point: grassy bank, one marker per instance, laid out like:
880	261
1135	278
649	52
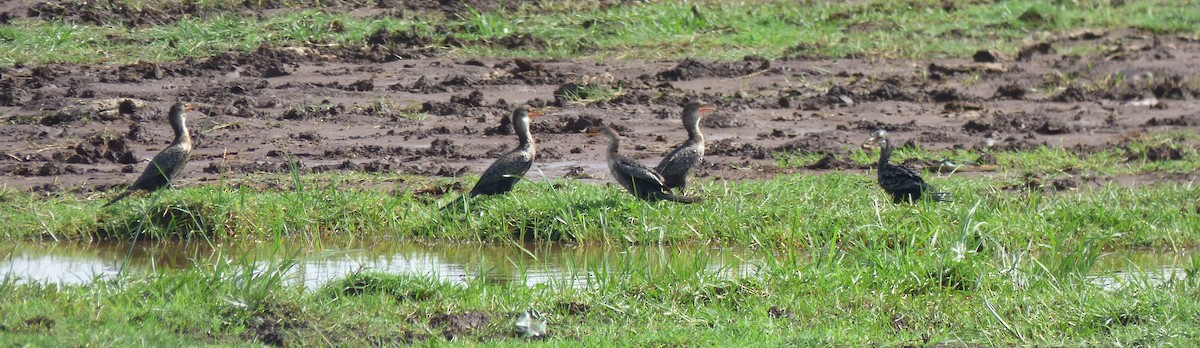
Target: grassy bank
1108	195
655	30
925	292
792	211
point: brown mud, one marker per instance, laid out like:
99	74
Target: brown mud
394	105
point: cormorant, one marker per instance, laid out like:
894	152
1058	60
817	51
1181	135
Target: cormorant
639	180
904	184
509	168
167	164
675	166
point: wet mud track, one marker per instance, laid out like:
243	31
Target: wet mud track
395	106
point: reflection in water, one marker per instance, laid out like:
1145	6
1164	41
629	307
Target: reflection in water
531	265
1116	270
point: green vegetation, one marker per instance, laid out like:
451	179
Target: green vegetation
1140	154
1007	263
1000	266
657	30
590	93
786	212
935	289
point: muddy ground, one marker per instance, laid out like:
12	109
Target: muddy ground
82	128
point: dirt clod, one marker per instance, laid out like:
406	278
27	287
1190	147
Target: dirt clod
777	313
986	56
458	324
690	69
728	147
574	308
724	120
1162	152
1028	52
1011	91
832	162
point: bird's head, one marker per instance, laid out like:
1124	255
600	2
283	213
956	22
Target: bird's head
696	108
601	130
526	111
879	136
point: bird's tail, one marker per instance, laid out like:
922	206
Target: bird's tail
455	203
674	198
942	197
123	194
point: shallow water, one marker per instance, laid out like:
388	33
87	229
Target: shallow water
530	265
526	264
1115	271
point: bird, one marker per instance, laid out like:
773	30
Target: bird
675	166
639	180
500	177
167	164
902	183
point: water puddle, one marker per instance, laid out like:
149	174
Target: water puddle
524	264
1115	271
530	265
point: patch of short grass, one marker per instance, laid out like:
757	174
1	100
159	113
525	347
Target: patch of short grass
652	30
1145	153
590	93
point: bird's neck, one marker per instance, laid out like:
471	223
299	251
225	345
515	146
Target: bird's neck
524	139
180	126
885	153
613	144
181	132
693	131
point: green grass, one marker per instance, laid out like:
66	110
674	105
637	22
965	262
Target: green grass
839	264
591	93
1128	158
656	30
787	211
844	266
841	293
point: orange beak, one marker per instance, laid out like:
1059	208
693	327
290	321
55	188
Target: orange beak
534	113
190	107
706	109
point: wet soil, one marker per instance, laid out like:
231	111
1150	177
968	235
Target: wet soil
394	105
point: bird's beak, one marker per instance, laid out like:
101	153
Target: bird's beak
190	107
591	132
870	144
706	109
535	113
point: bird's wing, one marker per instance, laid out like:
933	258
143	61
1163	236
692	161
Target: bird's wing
681	158
162	168
902	177
513	163
633	168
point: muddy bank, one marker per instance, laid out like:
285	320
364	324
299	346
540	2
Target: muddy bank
88	127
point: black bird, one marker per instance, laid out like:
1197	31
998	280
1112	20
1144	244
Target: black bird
500	177
167	164
904	184
639	180
675	166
